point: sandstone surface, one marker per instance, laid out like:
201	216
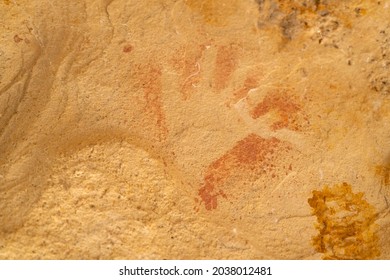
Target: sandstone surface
194	129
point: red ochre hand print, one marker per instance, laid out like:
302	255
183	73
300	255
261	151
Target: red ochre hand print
256	155
251	154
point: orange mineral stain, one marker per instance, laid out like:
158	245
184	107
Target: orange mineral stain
345	223
251	154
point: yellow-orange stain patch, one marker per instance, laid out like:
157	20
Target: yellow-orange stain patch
150	80
252	154
286	106
214	12
188	61
7	2
225	64
346	224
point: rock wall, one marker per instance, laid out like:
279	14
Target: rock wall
194	129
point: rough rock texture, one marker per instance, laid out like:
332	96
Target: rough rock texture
194	129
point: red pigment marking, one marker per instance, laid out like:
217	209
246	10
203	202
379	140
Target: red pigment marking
127	48
252	152
151	82
225	64
286	106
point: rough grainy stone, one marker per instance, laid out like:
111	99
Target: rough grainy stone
194	129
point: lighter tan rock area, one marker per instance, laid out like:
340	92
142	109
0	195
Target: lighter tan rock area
194	129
